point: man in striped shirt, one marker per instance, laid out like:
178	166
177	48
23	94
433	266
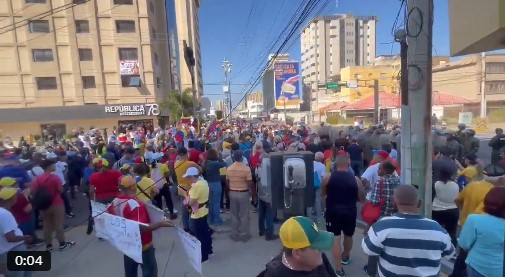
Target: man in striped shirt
406	243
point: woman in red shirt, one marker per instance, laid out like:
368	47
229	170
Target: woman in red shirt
104	183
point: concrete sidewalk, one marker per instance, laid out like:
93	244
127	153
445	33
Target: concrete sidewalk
93	258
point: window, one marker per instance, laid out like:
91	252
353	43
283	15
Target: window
495	67
158	82
383	75
42	55
123	2
35	1
495	87
130	81
85	54
357	76
38	26
125	26
156	59
46	83
128	54
81	26
333	27
153	33
333	36
88	82
77	2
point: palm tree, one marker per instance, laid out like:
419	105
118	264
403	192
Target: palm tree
178	104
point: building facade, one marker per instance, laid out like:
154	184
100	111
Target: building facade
363	77
99	63
188	29
465	79
173	41
330	43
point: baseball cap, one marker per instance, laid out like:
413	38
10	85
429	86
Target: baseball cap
138	160
100	162
125	167
7	182
192	171
7	193
128	181
300	232
382	153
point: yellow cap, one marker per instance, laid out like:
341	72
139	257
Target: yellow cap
7	182
125	167
300	232
128	181
100	162
7	193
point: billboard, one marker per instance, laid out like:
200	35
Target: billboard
287	85
129	67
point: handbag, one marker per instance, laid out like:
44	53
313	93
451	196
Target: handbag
371	213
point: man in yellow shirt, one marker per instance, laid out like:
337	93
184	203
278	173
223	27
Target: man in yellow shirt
146	188
183	185
198	199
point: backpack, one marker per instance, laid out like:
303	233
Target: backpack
42	199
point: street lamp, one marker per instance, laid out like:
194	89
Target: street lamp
227	71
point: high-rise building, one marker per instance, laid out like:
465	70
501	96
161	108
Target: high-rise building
93	63
188	29
173	41
330	43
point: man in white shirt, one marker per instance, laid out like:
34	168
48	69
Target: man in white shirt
61	169
11	237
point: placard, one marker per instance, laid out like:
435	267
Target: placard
123	234
193	249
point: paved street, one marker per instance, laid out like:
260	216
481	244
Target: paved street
92	258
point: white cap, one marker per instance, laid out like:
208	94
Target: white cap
51	155
192	171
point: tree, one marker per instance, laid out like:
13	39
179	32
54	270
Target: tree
178	104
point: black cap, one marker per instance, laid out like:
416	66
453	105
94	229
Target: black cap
182	151
494	170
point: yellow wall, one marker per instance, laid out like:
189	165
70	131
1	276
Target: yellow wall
365	76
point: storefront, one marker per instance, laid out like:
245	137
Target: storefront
58	121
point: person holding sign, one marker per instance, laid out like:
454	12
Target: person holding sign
127	205
198	202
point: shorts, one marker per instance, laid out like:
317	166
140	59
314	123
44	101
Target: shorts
338	223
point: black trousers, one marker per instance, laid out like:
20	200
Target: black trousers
460	264
449	220
164	193
225	195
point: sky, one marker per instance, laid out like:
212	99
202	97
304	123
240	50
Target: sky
242	30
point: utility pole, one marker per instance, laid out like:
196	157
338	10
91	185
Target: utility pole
401	36
417	159
376	101
317	83
483	100
227	90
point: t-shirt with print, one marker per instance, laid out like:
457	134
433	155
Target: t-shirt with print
144	186
8	224
200	192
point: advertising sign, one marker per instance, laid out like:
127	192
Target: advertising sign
129	67
134	110
287	85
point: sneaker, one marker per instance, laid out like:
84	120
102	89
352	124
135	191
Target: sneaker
262	233
49	248
89	230
71	214
365	269
340	273
66	245
345	260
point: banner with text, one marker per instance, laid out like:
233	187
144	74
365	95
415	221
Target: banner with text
192	247
129	67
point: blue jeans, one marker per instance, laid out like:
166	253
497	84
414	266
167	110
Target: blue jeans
200	229
184	215
356	167
265	218
470	272
214	203
149	265
28	228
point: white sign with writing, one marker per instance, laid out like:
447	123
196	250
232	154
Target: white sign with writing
123	234
134	110
97	208
129	67
466	118
192	247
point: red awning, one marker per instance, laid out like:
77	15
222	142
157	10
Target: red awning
386	101
333	107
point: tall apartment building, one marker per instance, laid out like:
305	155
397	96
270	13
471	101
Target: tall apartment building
330	43
188	29
70	64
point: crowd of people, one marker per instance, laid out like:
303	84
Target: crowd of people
216	174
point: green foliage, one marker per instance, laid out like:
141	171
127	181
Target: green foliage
497	116
37	137
178	104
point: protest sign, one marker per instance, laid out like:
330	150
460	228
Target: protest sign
156	215
192	247
97	208
123	234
